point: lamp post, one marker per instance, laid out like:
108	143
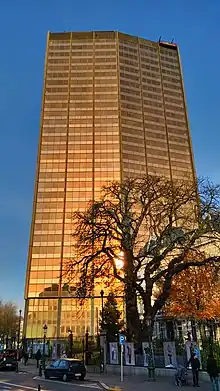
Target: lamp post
71	342
151	366
44	345
102	298
18	340
102	336
87	346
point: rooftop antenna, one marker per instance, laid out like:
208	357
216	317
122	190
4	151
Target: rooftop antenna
160	38
172	40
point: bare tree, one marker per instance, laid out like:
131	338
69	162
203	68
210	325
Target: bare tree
154	225
8	320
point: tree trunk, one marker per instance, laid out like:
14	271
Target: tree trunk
194	333
132	315
148	321
211	334
202	332
147	328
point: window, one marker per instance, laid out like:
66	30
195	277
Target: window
56	364
63	364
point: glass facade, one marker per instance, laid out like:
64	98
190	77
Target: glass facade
113	106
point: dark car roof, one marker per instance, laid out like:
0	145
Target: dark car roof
10	350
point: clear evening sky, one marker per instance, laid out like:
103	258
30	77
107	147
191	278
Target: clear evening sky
194	25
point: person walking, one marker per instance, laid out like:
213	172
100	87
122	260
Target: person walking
195	364
213	371
25	358
38	357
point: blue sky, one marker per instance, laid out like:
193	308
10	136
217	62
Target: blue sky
194	25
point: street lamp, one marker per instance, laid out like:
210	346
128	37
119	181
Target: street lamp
102	336
44	345
102	298
151	366
18	341
71	342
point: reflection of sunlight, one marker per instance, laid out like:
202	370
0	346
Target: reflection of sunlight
119	261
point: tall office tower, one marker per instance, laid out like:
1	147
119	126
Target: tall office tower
113	106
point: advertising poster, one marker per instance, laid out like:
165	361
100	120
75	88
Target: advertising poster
148	354
169	349
54	352
129	353
113	351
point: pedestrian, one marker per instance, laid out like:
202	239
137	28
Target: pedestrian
64	355
38	357
25	358
213	371
195	364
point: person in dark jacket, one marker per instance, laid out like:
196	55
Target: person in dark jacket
195	364
38	357
25	355
213	372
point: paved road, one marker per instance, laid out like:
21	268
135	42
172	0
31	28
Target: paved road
10	381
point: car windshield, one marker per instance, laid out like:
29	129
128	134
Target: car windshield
55	364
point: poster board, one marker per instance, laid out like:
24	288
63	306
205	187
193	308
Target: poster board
169	350
113	352
148	354
129	353
54	352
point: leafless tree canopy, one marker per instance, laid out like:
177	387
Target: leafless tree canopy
153	225
8	319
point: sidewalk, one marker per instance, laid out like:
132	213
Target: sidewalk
30	368
140	383
130	383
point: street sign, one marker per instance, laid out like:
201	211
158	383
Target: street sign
122	342
121	339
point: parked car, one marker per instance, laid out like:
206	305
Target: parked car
8	363
8	353
66	369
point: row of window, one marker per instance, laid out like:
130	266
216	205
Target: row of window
128	128
168	52
84	112
112	156
79	74
86	163
85	60
110	86
123	49
172	60
58	45
79	68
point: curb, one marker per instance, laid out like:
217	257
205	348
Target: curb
104	385
116	388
